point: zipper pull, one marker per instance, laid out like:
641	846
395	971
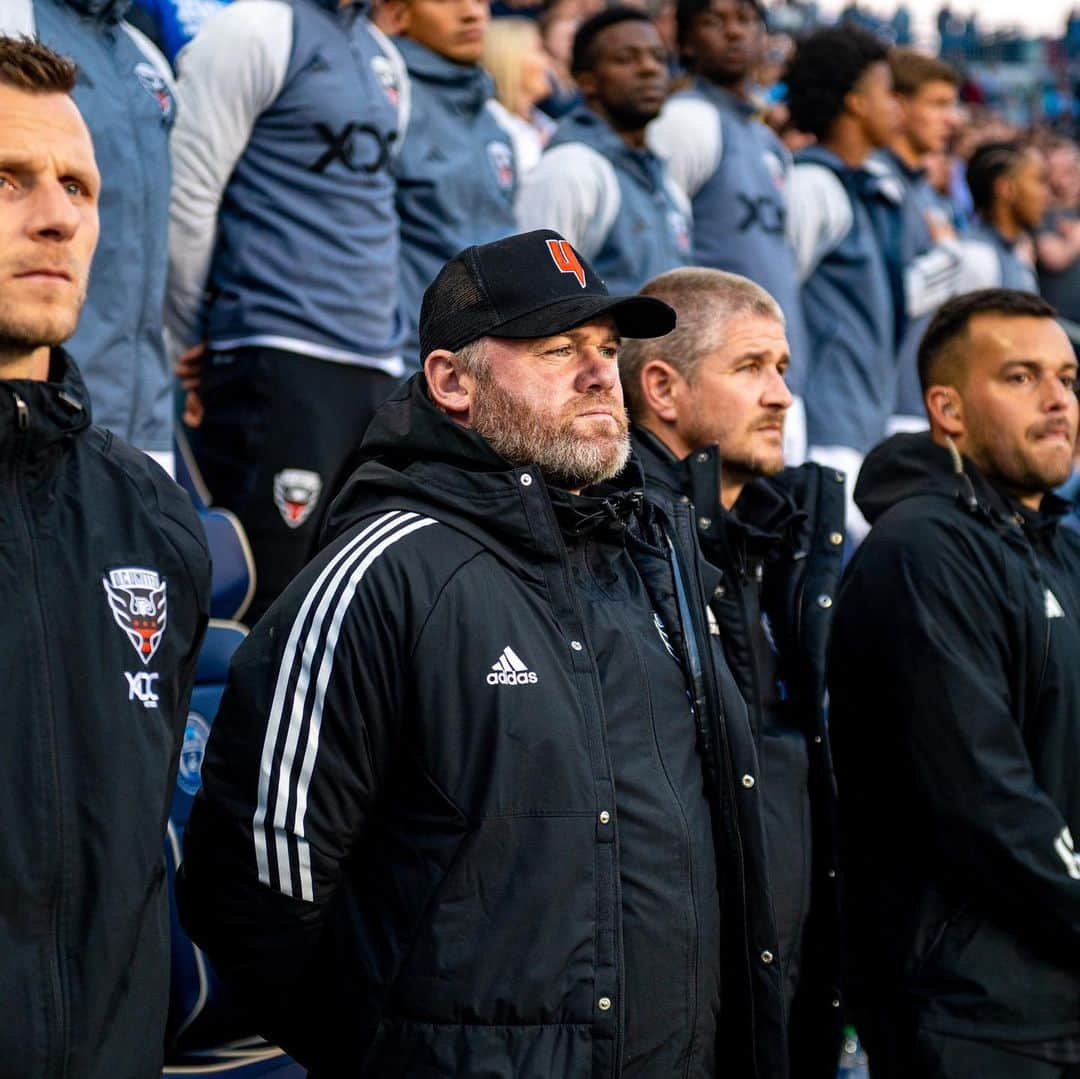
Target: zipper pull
22	413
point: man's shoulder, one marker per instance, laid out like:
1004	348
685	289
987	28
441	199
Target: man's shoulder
112	461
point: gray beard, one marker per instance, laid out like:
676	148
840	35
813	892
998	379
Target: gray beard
524	436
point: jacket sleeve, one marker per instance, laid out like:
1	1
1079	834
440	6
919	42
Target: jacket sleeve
938	638
230	73
688	136
573	190
297	755
819	215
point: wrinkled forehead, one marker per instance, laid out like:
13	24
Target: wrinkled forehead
40	127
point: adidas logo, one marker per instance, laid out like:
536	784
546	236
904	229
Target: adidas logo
1053	607
510	671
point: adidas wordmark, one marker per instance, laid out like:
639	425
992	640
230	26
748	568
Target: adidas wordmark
510	671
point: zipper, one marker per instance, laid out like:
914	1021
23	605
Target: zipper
548	512
56	1050
722	751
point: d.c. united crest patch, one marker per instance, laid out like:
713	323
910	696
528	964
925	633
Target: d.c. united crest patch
296	494
137	600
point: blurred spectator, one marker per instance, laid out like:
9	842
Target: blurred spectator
842	215
597	183
456	174
1008	188
734	168
284	252
1057	243
171	24
515	58
558	25
928	255
125	94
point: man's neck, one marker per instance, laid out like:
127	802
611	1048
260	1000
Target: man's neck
904	149
634	138
848	142
19	363
1004	220
739	88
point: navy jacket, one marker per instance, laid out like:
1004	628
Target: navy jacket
956	728
406	851
106	584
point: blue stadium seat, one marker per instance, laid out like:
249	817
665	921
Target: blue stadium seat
234	568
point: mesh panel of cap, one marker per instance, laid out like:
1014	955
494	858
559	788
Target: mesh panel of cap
455	310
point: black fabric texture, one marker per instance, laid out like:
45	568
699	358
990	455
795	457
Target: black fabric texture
90	728
461	911
268	411
956	727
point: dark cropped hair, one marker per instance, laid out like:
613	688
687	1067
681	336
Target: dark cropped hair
583	56
991	161
826	66
688	10
941	360
26	64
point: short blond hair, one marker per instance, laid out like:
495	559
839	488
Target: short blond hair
705	301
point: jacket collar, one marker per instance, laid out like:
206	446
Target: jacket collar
39	414
105	10
584	125
725	99
465	87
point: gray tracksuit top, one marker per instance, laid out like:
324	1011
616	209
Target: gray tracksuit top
291	111
734	170
455	174
614	203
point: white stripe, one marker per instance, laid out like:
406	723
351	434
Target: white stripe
514	659
321	684
287	660
297	711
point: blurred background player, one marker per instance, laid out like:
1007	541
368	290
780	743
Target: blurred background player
598	183
283	259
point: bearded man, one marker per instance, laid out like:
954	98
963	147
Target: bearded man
467	808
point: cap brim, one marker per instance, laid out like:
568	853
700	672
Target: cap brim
635	316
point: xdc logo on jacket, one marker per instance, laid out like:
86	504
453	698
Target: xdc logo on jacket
761	211
359	147
137	598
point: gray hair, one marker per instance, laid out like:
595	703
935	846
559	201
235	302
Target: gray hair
705	301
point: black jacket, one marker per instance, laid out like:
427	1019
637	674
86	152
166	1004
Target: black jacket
431	884
106	580
780	555
956	725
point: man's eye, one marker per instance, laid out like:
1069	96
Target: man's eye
74	188
1020	378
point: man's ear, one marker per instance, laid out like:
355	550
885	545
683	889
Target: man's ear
450	387
586	81
393	17
946	410
660	389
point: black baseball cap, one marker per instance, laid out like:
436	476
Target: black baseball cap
530	285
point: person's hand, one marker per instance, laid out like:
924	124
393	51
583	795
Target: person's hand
188	369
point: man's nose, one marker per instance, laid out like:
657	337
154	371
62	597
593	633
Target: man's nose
777	394
52	214
599	371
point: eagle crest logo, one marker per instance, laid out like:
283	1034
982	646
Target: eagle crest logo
137	599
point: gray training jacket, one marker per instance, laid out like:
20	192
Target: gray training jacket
283	232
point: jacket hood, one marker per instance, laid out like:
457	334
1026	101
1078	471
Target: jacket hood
55	409
908	465
465	87
106	10
414	451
